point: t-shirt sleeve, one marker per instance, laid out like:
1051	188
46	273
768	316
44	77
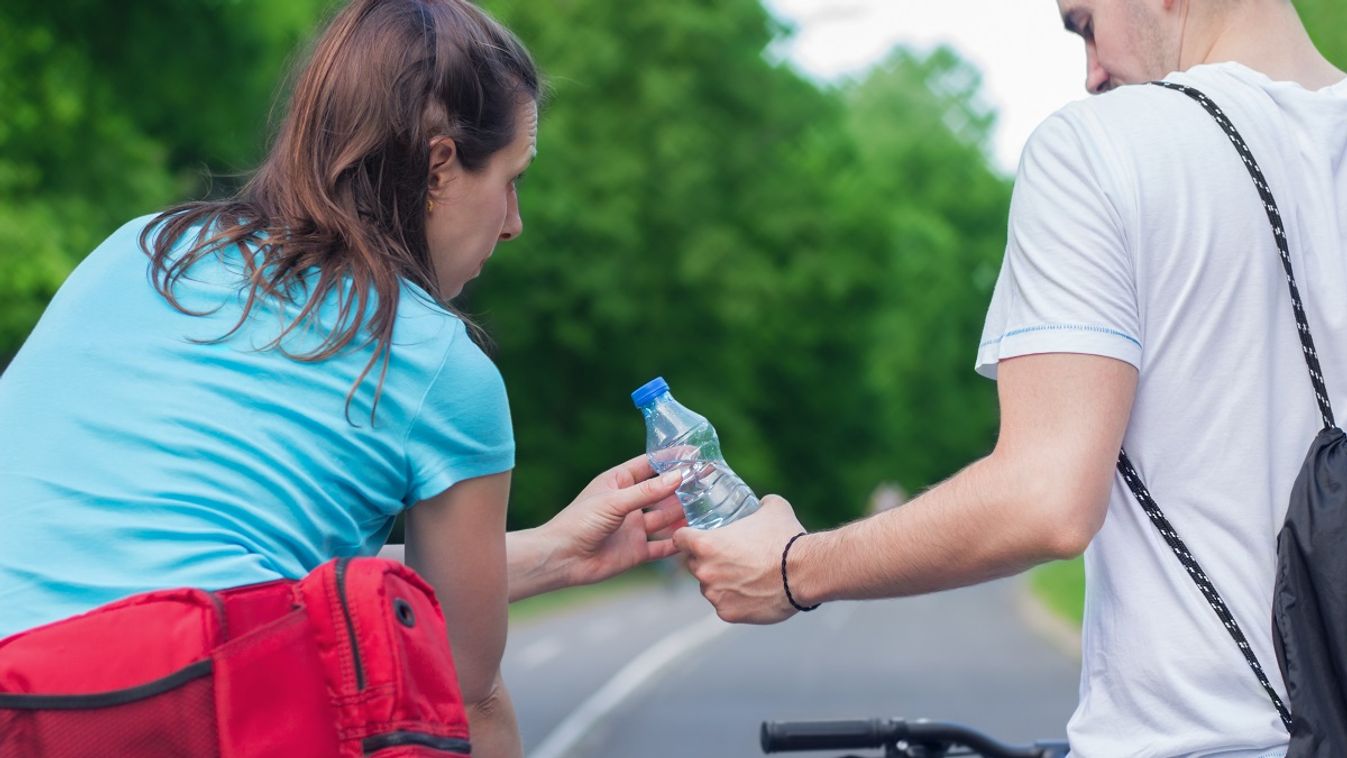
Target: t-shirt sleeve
462	430
1067	284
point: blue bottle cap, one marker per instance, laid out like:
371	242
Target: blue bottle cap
649	391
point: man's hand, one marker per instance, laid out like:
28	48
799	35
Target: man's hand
1042	494
739	566
605	531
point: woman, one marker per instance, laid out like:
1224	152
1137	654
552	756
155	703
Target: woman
285	374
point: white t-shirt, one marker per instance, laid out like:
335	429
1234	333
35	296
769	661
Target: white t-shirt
1136	233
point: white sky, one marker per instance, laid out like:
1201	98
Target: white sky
1030	65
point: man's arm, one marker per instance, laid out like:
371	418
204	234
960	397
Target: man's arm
1042	494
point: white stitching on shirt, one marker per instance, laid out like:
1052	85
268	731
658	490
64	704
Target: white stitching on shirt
1064	328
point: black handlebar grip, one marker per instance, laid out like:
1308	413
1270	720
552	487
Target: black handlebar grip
783	736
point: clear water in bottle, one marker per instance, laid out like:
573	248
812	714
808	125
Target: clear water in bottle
677	438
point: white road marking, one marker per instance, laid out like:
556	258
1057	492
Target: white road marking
632	677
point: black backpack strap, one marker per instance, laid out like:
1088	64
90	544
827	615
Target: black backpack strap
1129	472
1274	216
1199	576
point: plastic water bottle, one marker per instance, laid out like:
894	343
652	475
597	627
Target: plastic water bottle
677	438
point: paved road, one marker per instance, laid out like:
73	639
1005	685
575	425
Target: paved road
962	656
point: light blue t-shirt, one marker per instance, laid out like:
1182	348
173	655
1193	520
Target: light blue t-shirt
137	453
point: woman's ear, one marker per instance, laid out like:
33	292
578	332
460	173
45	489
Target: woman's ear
443	166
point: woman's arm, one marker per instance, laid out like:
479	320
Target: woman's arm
622	519
456	541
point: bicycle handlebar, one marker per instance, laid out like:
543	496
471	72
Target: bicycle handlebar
786	736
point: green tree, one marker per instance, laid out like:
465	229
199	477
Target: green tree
937	211
112	111
666	217
1323	19
807	265
702	213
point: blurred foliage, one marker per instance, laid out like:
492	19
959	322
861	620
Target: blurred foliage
1060	585
1324	21
112	111
807	265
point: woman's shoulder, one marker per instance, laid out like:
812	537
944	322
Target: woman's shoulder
445	343
135	226
142	230
126	236
115	265
420	318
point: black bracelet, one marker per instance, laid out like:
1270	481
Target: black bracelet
785	583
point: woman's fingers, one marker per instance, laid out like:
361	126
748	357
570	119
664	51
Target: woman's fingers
664	518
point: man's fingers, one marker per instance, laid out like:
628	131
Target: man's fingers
774	508
688	540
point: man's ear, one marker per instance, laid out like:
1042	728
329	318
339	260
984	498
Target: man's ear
444	166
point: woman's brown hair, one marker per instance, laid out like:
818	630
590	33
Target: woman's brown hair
342	190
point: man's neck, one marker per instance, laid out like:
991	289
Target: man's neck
1267	37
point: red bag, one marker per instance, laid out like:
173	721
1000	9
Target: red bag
352	660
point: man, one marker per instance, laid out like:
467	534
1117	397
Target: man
1141	304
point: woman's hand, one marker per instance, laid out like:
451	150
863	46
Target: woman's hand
607	529
624	518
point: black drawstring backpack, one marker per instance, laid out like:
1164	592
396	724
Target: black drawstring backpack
1309	603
